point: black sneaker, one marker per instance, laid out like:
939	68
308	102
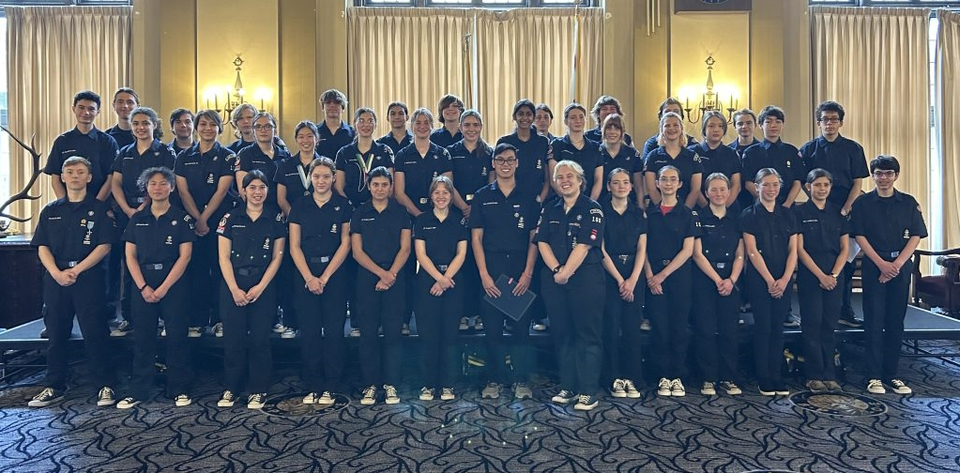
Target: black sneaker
564	397
586	403
792	321
850	320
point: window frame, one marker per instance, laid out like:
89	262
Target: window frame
476	4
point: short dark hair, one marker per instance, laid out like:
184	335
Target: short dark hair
77	160
148	173
545	108
885	162
446	101
605	100
771	111
212	116
176	114
127	90
817	174
362	110
503	148
308	125
744	111
153	116
706	117
334	95
829	106
524	103
402	105
255	175
87	95
669	101
571	107
380	171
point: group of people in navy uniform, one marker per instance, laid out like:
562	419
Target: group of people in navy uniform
674	238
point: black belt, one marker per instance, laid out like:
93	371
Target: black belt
892	254
319	259
154	266
250	271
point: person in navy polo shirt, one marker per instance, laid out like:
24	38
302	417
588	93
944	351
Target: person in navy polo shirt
669	105
745	122
204	181
241	119
542	121
617	154
715	157
319	246
844	159
449	110
293	181
773	153
888	225
605	106
264	155
576	147
334	132
158	247
417	165
73	236
673	151
398	137
356	160
181	124
533	152
125	100
84	140
380	239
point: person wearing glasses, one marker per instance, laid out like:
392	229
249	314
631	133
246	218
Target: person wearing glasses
264	155
888	225
502	228
844	159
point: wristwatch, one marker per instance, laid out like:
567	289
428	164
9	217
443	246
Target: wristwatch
556	269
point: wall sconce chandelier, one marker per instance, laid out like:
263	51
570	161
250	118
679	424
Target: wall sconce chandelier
234	96
711	100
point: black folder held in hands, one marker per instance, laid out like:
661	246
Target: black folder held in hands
512	306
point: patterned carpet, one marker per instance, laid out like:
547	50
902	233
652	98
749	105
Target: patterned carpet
889	433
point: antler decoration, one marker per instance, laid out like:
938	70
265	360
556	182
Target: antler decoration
24	193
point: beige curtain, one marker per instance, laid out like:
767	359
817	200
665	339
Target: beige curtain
949	61
528	53
54	52
417	55
413	55
875	62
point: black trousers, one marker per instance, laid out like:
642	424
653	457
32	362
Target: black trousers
173	309
122	279
287	278
576	317
716	329
437	321
621	328
768	316
246	336
884	307
85	298
820	310
517	345
204	276
376	309
322	356
670	316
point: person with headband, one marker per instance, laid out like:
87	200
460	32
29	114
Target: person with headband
822	249
770	240
158	246
624	254
570	236
718	254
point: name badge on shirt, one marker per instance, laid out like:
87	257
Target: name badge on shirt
424	200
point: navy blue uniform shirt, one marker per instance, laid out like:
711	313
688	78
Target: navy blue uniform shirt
721	159
506	220
627	159
588	157
321	227
596	135
687	162
887	222
329	143
356	165
622	230
203	172
666	233
719	238
736	146
122	137
442	138
842	157
252	241
158	239
822	231
532	157
252	157
72	230
772	231
440	238
289	175
471	169
418	172
784	157
380	230
392	143
97	147
564	230
130	163
651	144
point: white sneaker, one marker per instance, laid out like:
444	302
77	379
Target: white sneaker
405	330
310	398
194	332
586	403
522	391
278	328
491	391
539	327
227	399
288	333
677	389
645	325
123	328
619	389
105	397
354	332
256	400
182	400
45	398
464	324
478	323
218	330
447	394
631	389
663	387
325	399
369	397
390	396
127	403
899	386
708	389
426	394
875	386
731	388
